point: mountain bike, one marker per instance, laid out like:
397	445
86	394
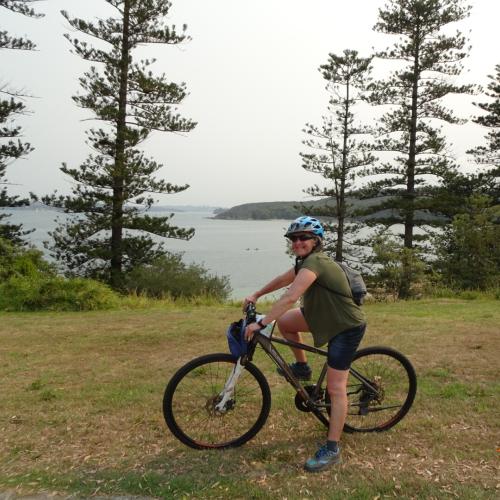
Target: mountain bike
220	401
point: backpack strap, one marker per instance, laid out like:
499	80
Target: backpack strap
298	262
335	291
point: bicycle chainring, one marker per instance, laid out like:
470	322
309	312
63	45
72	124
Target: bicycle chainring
301	404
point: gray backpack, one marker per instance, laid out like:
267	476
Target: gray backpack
356	282
354	278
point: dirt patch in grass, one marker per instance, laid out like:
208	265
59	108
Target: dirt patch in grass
81	409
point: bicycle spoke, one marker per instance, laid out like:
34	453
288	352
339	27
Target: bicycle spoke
382	408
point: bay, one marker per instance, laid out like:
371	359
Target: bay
249	252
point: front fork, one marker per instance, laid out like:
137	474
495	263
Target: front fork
228	392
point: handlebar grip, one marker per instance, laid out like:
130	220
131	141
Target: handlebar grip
251	313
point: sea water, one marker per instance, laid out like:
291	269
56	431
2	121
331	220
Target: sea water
250	253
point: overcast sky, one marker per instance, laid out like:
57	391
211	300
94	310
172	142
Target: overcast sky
251	70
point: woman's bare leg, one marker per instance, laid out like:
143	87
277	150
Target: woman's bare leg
290	325
337	390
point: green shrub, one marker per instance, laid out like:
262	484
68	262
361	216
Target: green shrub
468	250
29	283
54	293
469	295
19	261
169	276
399	271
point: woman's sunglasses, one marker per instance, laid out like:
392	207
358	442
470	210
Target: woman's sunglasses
300	237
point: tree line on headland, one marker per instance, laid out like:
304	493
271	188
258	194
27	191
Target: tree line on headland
268	210
427	220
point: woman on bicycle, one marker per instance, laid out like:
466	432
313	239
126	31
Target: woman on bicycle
328	312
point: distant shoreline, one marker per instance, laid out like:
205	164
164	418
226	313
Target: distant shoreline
156	208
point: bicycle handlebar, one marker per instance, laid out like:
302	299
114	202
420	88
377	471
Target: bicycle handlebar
251	313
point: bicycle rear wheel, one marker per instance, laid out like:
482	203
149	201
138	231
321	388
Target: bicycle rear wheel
191	396
382	393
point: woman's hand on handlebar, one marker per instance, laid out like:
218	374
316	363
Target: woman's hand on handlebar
251	299
250	330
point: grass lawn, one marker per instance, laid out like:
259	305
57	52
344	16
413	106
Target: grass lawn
81	397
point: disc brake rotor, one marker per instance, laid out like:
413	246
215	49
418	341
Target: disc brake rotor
369	398
210	406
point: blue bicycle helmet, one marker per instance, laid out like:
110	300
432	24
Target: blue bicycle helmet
306	224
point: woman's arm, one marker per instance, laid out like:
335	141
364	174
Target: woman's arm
304	279
279	282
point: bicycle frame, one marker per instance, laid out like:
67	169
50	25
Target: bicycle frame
310	399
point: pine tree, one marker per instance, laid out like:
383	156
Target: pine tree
337	149
409	134
489	155
11	106
114	187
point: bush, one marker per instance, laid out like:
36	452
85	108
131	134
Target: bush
29	283
169	276
468	251
469	295
53	293
18	261
399	271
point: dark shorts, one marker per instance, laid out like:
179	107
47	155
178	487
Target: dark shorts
342	347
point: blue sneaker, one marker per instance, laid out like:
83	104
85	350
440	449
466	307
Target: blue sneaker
323	459
301	372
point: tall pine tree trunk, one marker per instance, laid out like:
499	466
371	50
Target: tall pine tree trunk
404	290
119	170
410	181
341	206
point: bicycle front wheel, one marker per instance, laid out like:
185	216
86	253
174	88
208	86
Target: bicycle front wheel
381	388
191	397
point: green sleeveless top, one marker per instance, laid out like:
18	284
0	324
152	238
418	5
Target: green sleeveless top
327	313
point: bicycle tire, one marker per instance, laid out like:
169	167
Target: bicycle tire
396	382
191	394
